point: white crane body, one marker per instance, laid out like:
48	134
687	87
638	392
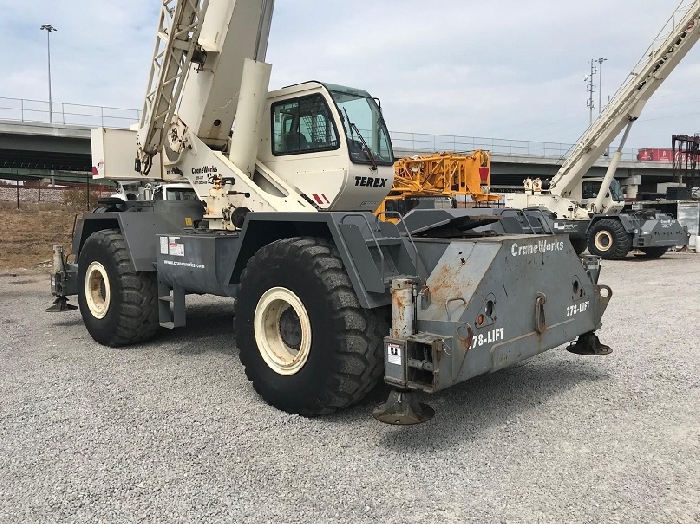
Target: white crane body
319	174
235	31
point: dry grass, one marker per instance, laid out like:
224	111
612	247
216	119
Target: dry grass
28	234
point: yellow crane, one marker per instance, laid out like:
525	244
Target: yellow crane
446	175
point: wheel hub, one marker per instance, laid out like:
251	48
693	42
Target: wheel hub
282	330
97	290
603	240
290	328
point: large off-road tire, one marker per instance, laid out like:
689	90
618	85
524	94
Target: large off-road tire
651	252
119	305
608	239
307	345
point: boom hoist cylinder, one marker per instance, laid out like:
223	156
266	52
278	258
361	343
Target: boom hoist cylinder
249	115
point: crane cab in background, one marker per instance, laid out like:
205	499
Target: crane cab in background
613	200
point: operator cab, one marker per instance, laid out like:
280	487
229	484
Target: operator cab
613	201
330	142
590	188
367	136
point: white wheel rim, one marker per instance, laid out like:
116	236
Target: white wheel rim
275	327
603	240
97	290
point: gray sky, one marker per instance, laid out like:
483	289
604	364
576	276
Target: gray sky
502	69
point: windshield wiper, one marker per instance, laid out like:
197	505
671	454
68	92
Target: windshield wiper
367	150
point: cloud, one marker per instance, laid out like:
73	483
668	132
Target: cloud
502	69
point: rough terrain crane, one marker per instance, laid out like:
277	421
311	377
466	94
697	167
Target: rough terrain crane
600	227
327	297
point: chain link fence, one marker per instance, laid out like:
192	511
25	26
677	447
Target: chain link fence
81	195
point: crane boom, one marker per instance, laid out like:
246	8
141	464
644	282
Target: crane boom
179	26
678	36
232	32
188	80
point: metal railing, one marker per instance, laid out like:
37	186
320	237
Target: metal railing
420	142
25	110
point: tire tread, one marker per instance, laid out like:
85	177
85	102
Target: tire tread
137	312
622	241
359	332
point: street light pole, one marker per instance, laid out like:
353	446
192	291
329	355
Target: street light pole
590	87
600	84
49	29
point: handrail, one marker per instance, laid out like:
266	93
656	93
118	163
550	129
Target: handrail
371	231
398	215
28	110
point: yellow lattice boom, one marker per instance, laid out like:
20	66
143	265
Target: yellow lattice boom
443	174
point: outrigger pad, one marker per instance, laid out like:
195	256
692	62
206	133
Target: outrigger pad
61	304
402	409
589	344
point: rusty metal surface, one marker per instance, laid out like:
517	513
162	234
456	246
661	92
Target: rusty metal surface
498	301
401	308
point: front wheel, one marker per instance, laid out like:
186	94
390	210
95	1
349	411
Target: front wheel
306	344
608	239
119	305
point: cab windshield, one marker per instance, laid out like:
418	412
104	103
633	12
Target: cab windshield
616	191
368	138
589	190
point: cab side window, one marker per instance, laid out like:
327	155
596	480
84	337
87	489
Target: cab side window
590	189
303	125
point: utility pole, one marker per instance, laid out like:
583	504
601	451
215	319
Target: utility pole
49	29
600	84
590	87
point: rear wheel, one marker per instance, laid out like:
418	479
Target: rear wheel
306	343
608	239
119	305
651	252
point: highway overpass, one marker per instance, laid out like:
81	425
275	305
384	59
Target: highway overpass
39	147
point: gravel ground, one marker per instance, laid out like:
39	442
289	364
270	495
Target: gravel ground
171	431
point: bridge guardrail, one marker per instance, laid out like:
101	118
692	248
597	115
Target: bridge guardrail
26	110
460	144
